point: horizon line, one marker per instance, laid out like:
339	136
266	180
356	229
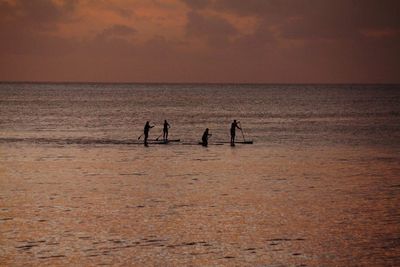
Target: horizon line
195	83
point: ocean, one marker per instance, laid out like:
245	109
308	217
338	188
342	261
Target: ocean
319	186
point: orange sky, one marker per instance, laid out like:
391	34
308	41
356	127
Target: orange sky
263	41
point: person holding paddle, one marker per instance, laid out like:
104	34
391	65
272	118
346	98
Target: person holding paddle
204	139
234	125
147	128
165	130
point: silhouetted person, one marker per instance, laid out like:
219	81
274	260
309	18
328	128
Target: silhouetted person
147	128
165	130
204	139
234	125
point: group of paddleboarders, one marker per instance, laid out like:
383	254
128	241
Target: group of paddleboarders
204	138
147	128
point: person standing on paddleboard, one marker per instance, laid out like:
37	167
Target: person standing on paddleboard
165	130
234	125
147	128
204	139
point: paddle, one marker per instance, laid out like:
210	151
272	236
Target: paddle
244	140
158	137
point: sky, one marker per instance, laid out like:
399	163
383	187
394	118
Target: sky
228	41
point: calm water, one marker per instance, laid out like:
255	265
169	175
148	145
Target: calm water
319	186
294	115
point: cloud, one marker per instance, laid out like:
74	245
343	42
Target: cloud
197	4
311	19
215	30
248	7
26	26
200	41
36	14
117	31
341	19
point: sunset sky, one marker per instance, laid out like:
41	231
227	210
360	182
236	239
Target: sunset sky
260	41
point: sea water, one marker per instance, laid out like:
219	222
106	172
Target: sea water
320	184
